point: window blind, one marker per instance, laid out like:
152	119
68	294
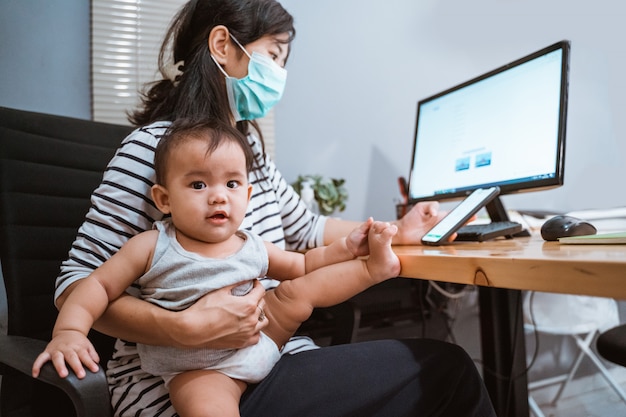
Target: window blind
126	36
125	41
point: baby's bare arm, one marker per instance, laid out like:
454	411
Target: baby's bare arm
69	344
87	302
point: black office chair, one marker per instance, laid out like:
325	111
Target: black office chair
49	165
611	345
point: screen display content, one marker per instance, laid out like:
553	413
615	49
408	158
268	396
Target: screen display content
505	128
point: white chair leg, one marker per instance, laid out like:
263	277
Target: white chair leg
532	404
602	368
568	378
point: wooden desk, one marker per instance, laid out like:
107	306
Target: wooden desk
526	263
502	268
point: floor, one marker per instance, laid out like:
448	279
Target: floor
588	395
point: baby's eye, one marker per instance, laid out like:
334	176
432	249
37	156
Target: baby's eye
197	185
232	184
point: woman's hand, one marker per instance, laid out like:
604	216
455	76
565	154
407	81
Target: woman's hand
419	220
221	320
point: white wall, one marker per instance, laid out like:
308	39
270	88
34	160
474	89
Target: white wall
358	68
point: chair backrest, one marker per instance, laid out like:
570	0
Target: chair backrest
49	166
568	314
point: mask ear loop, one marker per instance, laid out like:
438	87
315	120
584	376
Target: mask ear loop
240	45
219	66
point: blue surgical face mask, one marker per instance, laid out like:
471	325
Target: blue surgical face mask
254	95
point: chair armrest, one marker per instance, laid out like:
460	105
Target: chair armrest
89	395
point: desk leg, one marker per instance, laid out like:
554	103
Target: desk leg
504	350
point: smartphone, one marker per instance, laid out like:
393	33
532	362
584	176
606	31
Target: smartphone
459	215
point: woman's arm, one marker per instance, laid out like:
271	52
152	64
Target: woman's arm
341	249
289	265
337	228
218	320
420	219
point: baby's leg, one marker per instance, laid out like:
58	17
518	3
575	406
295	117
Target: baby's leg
205	393
292	302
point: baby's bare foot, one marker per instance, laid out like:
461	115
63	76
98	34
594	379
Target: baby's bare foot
382	263
357	239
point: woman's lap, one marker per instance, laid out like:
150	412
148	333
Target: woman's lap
393	378
417	377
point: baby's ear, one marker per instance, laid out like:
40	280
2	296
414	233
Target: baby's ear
161	198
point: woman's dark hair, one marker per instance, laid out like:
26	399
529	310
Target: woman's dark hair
213	132
200	93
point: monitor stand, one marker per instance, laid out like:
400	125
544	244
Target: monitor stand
498	213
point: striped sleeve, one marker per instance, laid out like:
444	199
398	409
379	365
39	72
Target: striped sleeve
276	211
120	208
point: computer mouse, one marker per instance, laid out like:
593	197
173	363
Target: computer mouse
565	226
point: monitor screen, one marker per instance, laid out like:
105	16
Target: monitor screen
504	128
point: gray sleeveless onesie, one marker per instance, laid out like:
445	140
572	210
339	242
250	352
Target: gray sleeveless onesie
177	278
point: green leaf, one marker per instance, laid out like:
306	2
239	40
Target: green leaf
330	193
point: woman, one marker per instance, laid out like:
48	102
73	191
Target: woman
224	59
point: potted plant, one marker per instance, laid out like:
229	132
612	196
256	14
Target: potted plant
330	193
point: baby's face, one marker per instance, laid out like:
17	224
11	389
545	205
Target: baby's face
208	192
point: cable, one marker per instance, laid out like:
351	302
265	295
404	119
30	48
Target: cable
448	320
448	294
511	378
435	293
423	311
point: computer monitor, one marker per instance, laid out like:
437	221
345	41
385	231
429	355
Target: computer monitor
504	128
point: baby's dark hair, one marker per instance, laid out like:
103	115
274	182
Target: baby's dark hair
211	131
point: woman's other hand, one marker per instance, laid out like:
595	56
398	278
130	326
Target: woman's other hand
220	320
